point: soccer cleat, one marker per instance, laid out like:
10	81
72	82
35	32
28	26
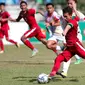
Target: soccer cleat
62	74
78	61
17	45
1	51
34	52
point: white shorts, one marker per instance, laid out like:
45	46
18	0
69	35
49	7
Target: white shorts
57	37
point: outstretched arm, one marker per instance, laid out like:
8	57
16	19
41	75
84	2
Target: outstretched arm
41	12
75	10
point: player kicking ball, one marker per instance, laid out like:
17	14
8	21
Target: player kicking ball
73	4
73	45
4	27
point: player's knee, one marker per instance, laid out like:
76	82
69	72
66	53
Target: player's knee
7	39
23	39
48	46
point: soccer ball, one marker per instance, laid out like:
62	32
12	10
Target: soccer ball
42	78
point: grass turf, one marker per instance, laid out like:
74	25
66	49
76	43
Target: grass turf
17	68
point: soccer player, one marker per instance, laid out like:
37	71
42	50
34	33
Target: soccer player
72	4
29	17
53	26
4	27
73	45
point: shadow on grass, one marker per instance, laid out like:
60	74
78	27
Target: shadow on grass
23	78
55	79
74	80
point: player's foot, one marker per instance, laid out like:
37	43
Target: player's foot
1	51
62	74
34	52
50	77
78	61
17	45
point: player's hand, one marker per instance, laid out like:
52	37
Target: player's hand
74	5
47	24
52	23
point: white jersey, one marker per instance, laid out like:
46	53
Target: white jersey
49	18
81	17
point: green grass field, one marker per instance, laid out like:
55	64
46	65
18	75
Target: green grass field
17	68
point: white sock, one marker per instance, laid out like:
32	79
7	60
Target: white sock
77	57
66	66
58	48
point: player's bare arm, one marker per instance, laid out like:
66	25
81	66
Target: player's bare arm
67	28
75	10
3	20
41	12
7	19
15	20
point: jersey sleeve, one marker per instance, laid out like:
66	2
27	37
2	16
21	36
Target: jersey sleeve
77	18
19	17
55	16
7	15
72	23
32	11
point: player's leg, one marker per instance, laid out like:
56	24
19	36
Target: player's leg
41	37
1	42
28	34
64	71
80	50
65	56
78	59
6	33
1	46
52	43
56	66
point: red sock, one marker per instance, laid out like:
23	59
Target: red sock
56	66
1	45
55	51
12	41
27	43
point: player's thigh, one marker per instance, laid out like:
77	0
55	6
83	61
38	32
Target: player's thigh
67	54
80	50
51	42
30	33
6	33
1	34
40	36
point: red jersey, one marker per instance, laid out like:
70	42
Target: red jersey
4	24
71	36
29	18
